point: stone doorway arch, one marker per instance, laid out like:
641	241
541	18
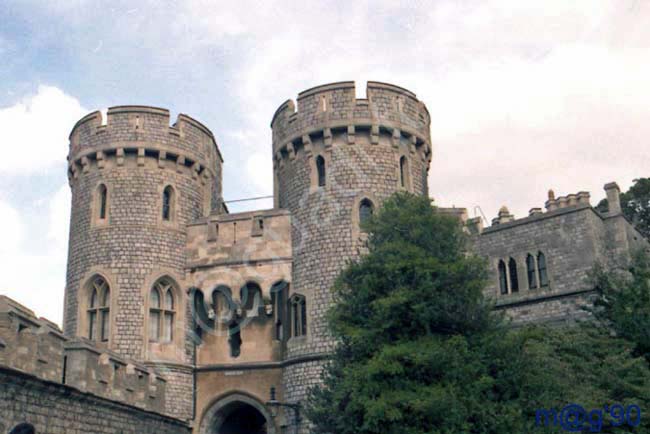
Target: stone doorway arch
237	414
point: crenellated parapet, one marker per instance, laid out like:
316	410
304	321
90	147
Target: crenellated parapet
333	108
106	374
143	133
37	346
241	238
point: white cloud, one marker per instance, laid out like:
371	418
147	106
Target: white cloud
524	96
260	172
35	264
12	230
36	131
59	217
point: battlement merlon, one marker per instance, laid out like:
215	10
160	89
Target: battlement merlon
335	106
141	126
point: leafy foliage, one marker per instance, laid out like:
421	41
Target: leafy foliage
421	351
624	300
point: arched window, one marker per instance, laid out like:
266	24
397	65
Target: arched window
161	311
320	168
514	281
532	273
102	198
298	308
99	309
278	300
168	203
23	428
541	266
503	280
403	170
221	302
366	208
251	298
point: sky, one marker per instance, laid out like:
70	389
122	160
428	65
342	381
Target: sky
524	96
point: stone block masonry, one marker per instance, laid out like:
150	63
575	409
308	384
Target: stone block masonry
54	408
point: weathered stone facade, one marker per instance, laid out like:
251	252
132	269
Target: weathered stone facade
54	408
68	385
220	309
572	236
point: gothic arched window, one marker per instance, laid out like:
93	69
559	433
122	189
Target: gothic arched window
99	310
503	279
514	281
298	308
541	266
161	311
168	203
366	208
532	273
320	169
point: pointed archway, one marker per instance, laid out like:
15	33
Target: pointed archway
237	414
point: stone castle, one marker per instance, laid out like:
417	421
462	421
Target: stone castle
181	317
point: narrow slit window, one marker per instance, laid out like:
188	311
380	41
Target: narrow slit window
402	171
320	168
168	203
102	194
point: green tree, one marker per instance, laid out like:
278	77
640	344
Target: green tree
623	300
421	351
635	204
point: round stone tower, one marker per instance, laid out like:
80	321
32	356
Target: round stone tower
136	183
336	158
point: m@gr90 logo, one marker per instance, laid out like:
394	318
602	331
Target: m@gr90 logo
574	418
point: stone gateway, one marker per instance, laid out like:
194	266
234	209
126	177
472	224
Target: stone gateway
181	317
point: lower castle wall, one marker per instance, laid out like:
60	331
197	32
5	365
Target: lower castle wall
549	311
54	408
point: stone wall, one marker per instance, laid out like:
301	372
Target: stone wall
54	408
37	347
573	237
